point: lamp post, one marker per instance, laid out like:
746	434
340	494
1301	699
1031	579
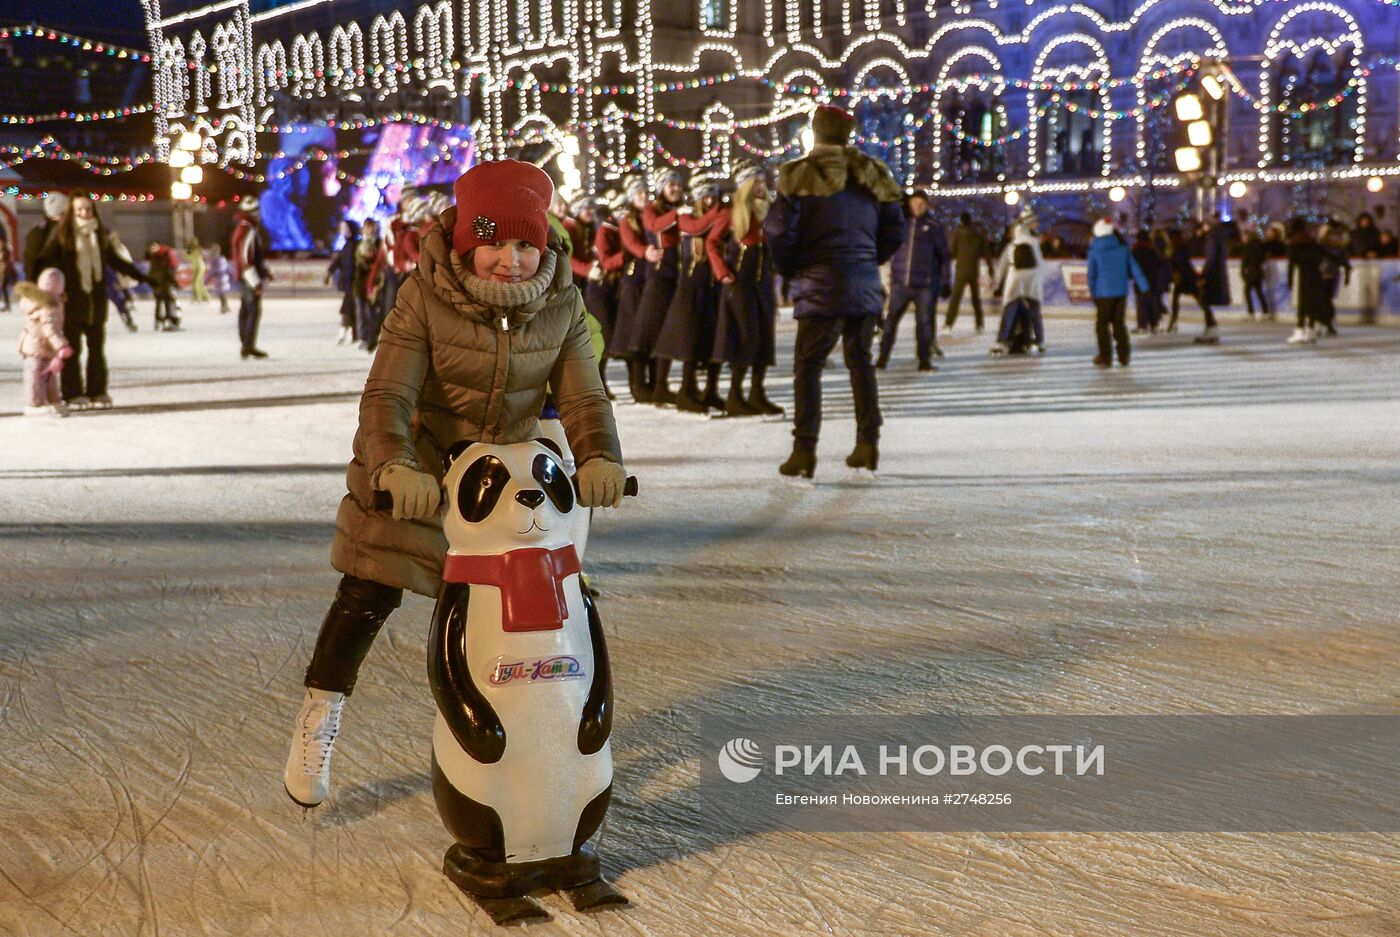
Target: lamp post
1206	117
184	156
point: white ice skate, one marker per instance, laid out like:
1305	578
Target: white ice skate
102	402
1303	336
997	349
80	403
307	776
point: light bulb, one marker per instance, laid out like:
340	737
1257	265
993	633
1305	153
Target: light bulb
180	191
1375	184
1117	193
179	159
1013	197
1188	108
192	175
1198	132
1188	159
1238	189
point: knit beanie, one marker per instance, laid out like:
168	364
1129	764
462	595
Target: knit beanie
662	176
831	124
745	170
1103	228
55	204
501	200
51	282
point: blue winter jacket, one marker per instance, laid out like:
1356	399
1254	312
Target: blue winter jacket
1111	264
836	219
922	260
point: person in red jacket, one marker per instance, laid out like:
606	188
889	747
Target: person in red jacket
604	275
688	334
660	219
247	246
748	312
640	256
582	224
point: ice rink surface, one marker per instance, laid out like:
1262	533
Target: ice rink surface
1211	530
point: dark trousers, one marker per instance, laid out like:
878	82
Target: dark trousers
959	284
1112	313
347	310
1253	288
900	298
352	623
1177	293
816	337
249	315
1149	310
165	308
96	337
1012	314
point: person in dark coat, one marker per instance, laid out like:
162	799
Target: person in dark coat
1253	255
247	252
600	294
1159	279
659	219
748	311
341	274
917	274
640	257
688	334
837	218
161	263
1366	247
55	206
1312	292
81	249
1334	239
969	249
1215	279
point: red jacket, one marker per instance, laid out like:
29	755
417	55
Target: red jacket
632	239
698	225
719	233
581	247
405	246
662	224
607	243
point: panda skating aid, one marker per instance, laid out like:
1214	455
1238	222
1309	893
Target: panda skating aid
517	661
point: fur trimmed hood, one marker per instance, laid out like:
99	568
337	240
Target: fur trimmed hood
827	169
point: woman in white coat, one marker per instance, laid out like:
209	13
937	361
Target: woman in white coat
1019	275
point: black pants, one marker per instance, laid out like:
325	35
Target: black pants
1112	313
900	298
1254	288
165	308
1177	293
347	310
249	315
955	298
1149	310
96	336
352	623
816	337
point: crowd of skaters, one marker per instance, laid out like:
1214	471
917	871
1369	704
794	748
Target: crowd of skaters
675	270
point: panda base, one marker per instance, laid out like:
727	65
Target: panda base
522	765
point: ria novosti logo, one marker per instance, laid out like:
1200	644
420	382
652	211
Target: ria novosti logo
740	760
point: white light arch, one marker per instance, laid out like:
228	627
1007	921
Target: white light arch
1096	69
432	33
308	67
1278	46
388	43
944	74
347	57
717	139
1151	60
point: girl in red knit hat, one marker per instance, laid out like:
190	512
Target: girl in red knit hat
487	320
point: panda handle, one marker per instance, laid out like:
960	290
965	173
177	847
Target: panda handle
383	501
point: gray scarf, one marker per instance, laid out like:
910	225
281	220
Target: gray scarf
89	253
500	295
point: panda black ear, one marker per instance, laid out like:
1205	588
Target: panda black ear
453	451
551	445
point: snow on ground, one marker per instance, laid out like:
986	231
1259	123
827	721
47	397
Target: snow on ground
1210	530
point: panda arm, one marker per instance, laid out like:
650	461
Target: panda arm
595	725
473	721
578	393
395	380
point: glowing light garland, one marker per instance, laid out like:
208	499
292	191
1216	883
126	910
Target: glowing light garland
35	31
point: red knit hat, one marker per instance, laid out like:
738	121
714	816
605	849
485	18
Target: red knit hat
503	200
831	124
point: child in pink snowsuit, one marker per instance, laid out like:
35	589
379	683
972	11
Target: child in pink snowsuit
42	344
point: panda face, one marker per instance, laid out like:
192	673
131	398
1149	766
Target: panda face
505	497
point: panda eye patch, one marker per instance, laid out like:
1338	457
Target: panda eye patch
480	488
550	476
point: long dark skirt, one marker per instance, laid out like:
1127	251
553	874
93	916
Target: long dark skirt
748	310
688	333
600	299
654	304
629	297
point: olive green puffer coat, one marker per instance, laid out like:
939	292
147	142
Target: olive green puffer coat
450	368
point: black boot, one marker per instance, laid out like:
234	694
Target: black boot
641	392
736	405
802	463
711	398
688	399
661	394
927	365
603	376
758	400
866	455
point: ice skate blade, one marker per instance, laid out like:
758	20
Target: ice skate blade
596	896
506	912
863	476
799	481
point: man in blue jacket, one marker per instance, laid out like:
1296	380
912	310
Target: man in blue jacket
837	218
1111	266
917	274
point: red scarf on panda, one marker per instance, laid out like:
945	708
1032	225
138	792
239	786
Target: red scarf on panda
531	581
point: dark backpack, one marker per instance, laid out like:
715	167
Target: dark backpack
1023	257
